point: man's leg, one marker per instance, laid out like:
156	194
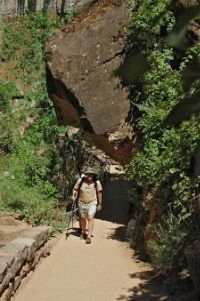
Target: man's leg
83	224
90	220
82	220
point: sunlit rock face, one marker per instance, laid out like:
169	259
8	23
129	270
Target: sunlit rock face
81	61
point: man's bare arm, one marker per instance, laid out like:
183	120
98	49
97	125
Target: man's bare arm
99	206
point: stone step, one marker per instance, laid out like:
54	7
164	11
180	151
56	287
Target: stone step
8	233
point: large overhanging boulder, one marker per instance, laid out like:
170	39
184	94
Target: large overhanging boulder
81	61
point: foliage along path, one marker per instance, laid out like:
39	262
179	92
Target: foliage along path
105	270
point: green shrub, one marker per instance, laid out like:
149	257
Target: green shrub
7	92
167	250
164	156
28	129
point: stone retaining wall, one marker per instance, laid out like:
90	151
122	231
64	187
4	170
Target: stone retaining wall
20	256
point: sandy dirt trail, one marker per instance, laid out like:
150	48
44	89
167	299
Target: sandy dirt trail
77	271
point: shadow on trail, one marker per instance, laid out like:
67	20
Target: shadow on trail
75	231
153	288
118	234
149	290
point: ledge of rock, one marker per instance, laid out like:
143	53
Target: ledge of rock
11	226
81	61
20	252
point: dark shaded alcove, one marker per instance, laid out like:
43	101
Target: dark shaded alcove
115	201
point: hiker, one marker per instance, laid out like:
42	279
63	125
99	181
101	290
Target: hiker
89	192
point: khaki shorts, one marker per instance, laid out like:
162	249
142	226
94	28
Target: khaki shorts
87	209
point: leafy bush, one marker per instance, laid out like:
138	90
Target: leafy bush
7	92
164	158
28	128
168	247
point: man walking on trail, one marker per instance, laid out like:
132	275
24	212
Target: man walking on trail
89	192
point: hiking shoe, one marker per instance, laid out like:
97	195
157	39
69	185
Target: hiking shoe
88	240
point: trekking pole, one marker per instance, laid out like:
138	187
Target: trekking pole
71	217
69	220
